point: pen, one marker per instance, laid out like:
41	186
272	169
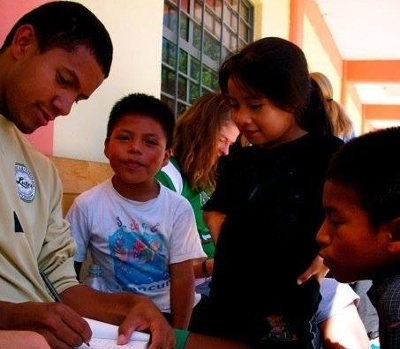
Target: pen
50	287
53	291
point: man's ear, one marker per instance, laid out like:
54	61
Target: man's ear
105	151
23	39
167	155
394	243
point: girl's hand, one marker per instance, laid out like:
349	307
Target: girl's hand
317	269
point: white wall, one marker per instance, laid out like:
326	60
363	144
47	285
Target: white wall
318	60
272	18
135	27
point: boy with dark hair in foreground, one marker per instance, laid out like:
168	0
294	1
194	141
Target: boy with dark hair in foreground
360	236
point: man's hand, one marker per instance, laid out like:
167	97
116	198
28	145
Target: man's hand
61	326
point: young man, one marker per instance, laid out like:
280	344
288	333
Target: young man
54	56
360	236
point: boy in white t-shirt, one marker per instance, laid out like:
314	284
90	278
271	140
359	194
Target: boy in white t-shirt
142	234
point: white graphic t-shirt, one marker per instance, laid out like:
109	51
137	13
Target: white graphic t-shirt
135	242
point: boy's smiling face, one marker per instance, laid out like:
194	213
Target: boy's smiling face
352	249
136	150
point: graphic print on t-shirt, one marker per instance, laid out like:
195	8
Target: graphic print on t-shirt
139	258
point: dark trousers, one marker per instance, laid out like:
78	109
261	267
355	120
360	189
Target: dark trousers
259	332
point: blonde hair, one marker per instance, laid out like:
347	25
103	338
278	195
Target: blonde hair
195	140
341	122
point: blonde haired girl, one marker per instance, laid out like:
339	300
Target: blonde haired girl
341	122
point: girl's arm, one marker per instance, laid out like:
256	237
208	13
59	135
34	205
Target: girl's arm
214	220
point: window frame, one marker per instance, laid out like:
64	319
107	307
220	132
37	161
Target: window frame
197	36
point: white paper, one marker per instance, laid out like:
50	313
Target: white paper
104	336
101	343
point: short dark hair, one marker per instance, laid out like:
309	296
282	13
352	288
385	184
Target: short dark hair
67	24
143	104
367	166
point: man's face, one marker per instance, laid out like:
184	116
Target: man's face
41	86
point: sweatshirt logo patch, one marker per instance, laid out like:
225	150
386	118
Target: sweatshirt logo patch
26	185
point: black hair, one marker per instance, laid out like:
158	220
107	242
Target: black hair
143	104
277	69
367	166
67	24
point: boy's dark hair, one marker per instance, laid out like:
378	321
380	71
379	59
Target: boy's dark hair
67	24
143	104
366	165
277	69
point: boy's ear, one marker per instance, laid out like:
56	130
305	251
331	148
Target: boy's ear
23	39
167	155
394	243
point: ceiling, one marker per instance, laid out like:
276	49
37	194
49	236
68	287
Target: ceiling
369	30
